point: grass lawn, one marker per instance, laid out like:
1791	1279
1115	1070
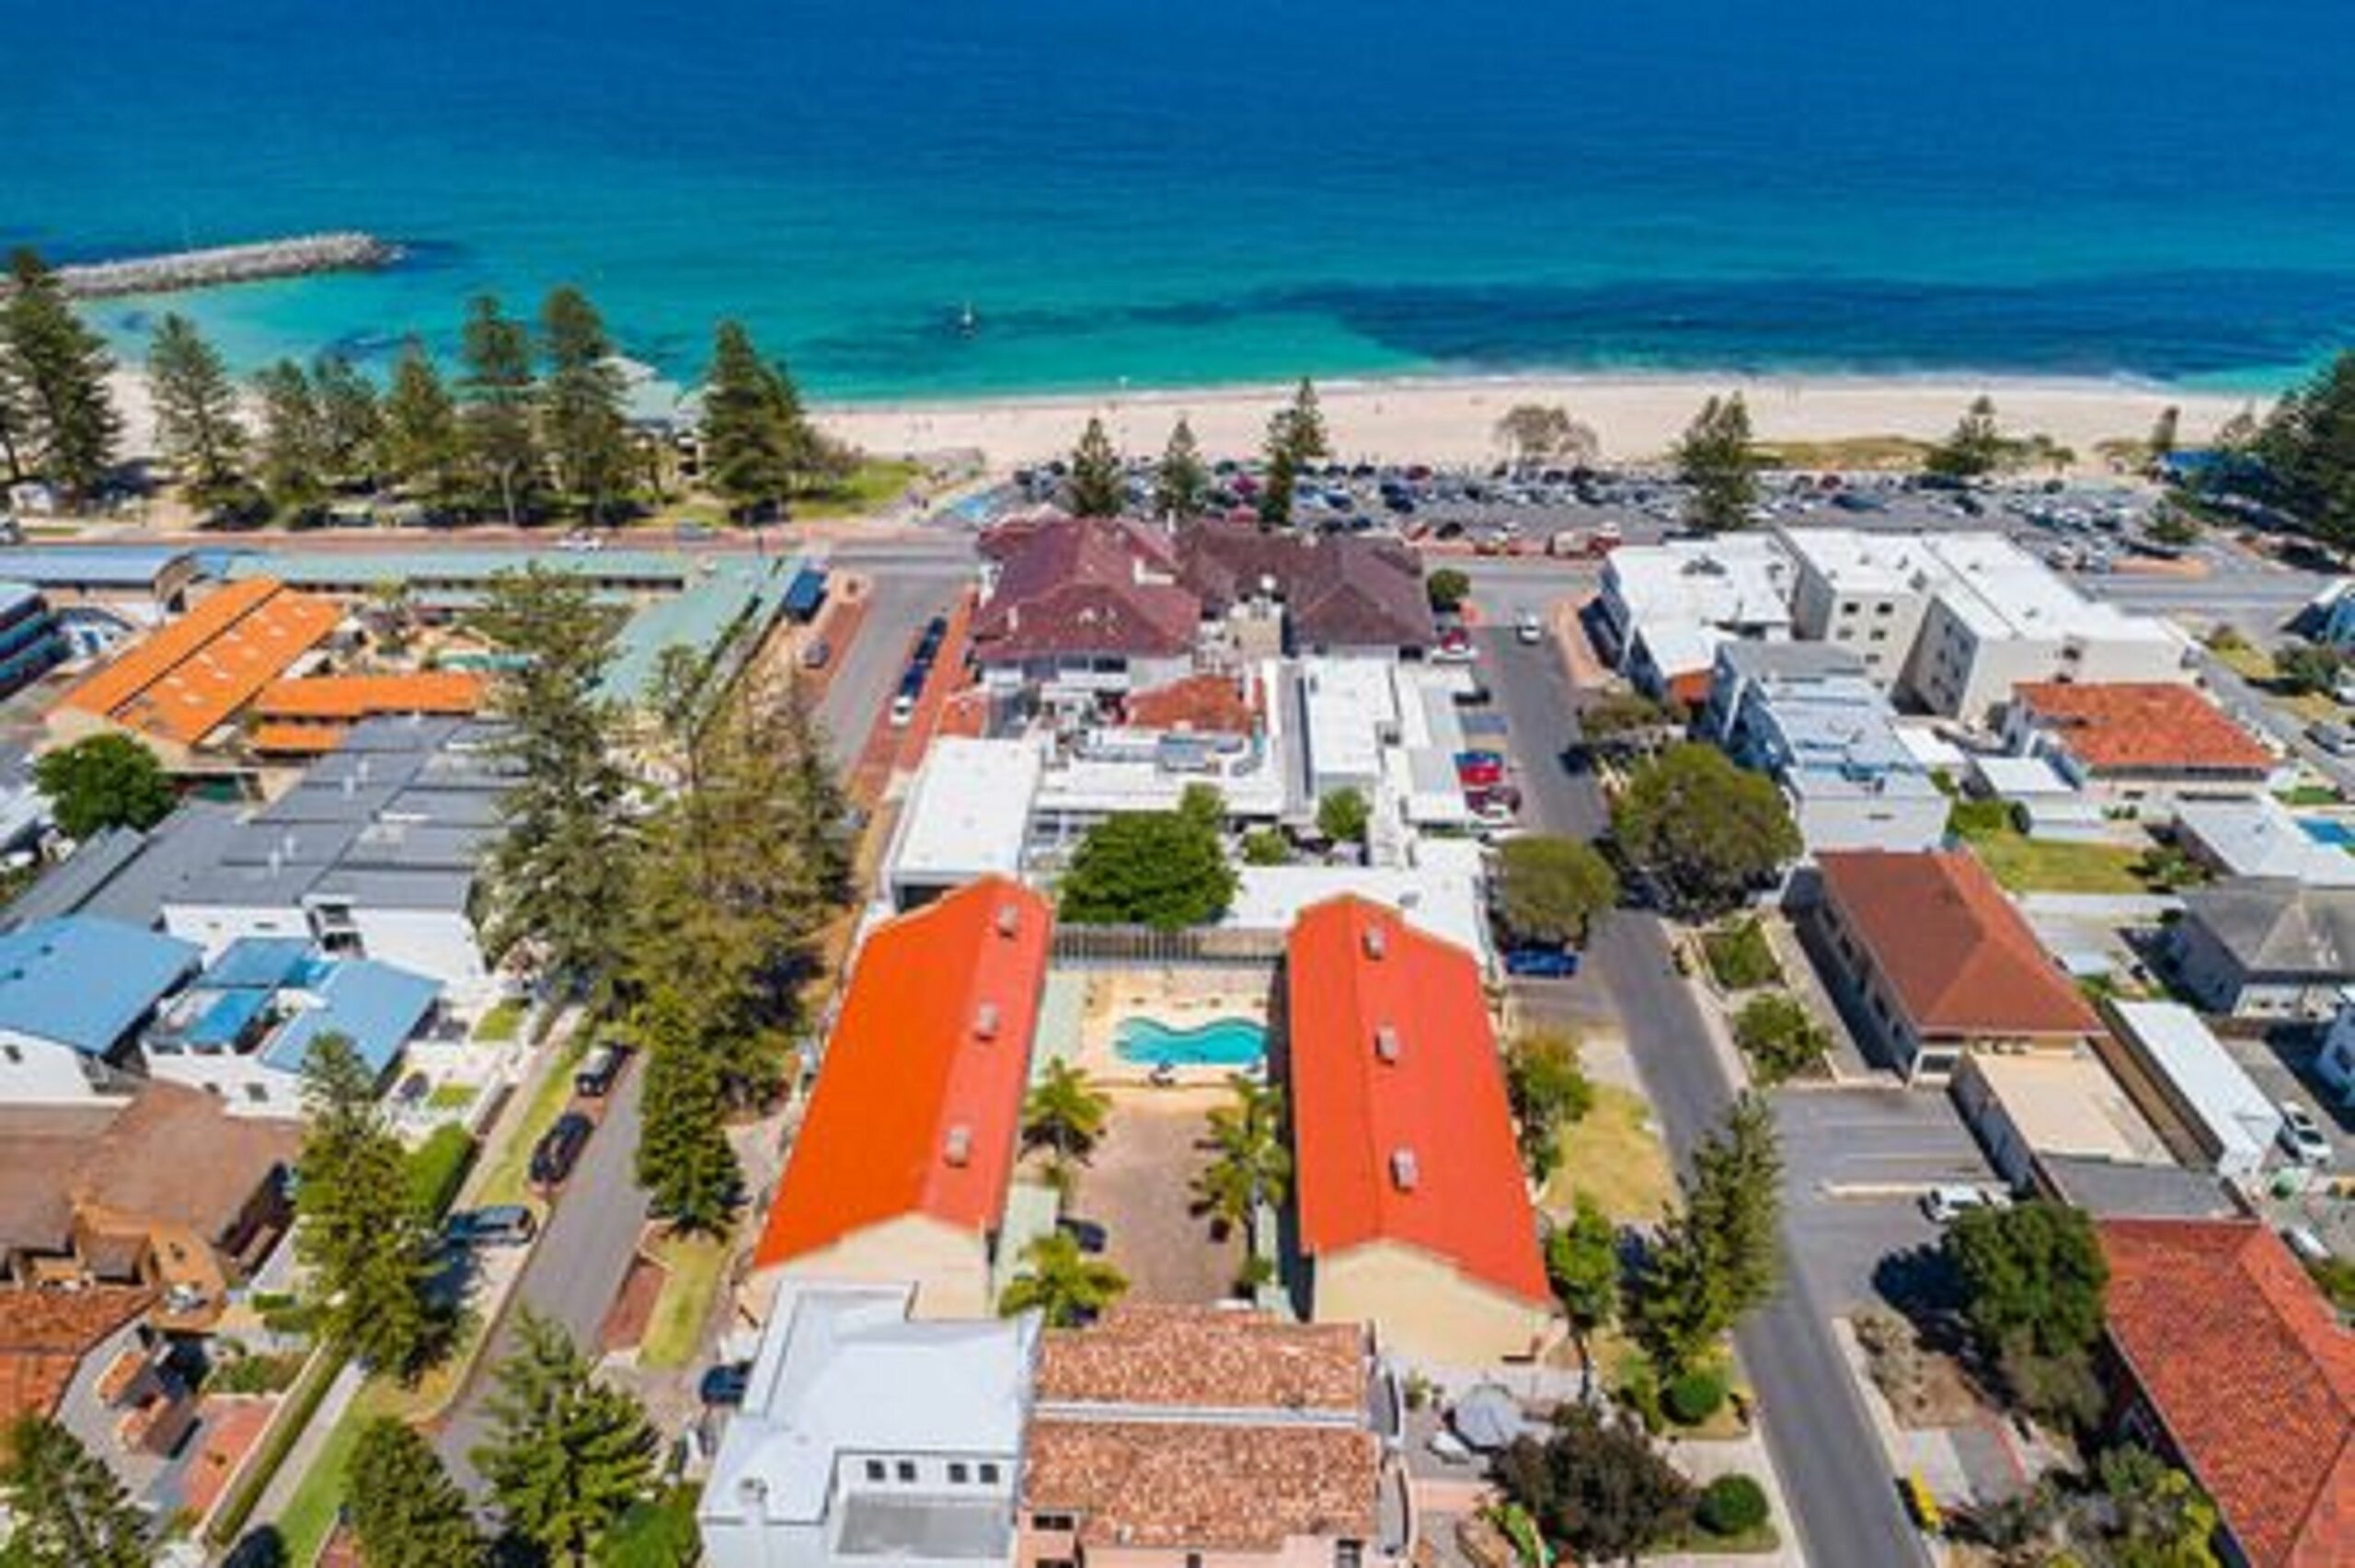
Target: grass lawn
1851	451
2046	865
1616	1157
2245	659
874	484
692	1267
450	1096
510	1173
1756	1543
2309	794
502	1023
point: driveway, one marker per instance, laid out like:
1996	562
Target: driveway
1139	1186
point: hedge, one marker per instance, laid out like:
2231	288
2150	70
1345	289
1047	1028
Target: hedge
438	1167
1692	1397
1730	1505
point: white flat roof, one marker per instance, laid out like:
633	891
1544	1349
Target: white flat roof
1350	703
1991	584
2260	838
2237	1116
1440	895
969	810
2021	778
2070	1106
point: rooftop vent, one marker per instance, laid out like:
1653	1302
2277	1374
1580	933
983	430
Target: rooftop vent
958	1148
1009	919
1385	1042
1404	1172
1376	943
985	1021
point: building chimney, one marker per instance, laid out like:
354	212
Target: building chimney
1404	1172
1376	942
1009	919
1385	1043
985	1021
957	1149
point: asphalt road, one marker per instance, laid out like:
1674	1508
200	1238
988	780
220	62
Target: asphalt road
1816	1426
909	589
575	1269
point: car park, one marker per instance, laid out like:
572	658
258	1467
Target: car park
559	1148
2301	1137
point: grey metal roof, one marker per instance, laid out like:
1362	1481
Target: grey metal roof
129	876
2274	926
1805	660
2111	1190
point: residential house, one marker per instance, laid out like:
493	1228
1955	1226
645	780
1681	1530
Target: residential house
243	1029
75	994
2264	948
31	644
1412	1209
2227	1360
2146	744
179	688
868	1435
1938	964
1958	619
169	1192
1664	610
1163	1437
1805	713
309	716
1083	610
2258	837
1341	594
899	1171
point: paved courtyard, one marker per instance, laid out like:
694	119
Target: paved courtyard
1139	1186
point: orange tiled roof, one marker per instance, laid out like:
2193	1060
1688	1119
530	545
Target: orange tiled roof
2246	1365
1417	1149
2142	727
297	739
1958	954
919	1101
354	697
1214	705
1142	1354
185	679
44	1335
1207	1487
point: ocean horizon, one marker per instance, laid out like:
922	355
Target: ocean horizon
1235	192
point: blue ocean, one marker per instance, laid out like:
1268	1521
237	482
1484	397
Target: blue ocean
1218	190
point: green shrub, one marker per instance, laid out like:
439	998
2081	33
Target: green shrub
1740	957
1731	1505
1692	1397
1779	1035
254	1374
437	1167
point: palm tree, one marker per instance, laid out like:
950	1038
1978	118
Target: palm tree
1062	1282
1252	1162
1065	1113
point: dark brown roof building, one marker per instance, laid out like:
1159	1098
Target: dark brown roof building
1083	588
1339	590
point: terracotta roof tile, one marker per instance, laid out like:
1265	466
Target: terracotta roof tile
1081	587
1208	704
1141	1354
355	697
1949	944
1339	589
909	1074
2252	1374
1204	1488
45	1334
1418	1149
2143	727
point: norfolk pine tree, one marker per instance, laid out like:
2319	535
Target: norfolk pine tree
684	1162
759	446
351	420
1718	462
588	433
420	449
70	1511
1182	481
569	1454
196	408
404	1507
1097	488
292	450
69	426
497	400
369	1253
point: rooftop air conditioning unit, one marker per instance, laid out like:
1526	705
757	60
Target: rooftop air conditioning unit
1404	1172
1385	1042
958	1148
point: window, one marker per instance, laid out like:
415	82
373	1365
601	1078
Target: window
907	1469
1051	1524
958	1472
989	1473
1348	1553
256	1093
875	1470
1193	1560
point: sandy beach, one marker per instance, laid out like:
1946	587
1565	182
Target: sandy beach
1454	420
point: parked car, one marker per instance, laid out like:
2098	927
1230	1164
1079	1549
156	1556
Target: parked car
2309	1247
1536	962
1454	647
1945	1205
1528	630
2301	1137
558	1149
2335	739
723	1386
500	1225
598	1070
1090	1236
816	653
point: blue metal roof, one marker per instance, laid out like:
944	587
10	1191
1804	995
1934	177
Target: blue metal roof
127	566
375	1006
262	963
226	1018
83	982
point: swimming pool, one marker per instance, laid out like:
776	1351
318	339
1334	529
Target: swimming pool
2328	830
1222	1042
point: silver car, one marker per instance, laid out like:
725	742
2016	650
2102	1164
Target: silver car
2301	1137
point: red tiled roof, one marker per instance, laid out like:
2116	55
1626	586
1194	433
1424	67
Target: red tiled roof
185	679
355	697
1210	705
2246	1365
1417	1149
44	1335
1081	587
1339	590
1949	944
2142	727
919	1101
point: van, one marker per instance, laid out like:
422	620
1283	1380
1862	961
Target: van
598	1070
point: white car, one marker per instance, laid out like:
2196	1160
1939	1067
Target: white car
1529	630
1947	1204
2301	1137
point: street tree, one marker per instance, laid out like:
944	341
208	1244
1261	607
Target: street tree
1549	1091
1181	484
1447	588
1296	438
1717	1260
368	1249
569	1453
197	421
562	865
1582	1264
1096	487
69	1511
291	453
1597	1489
498	403
1621	723
1550	889
405	1509
1250	1153
1718	462
759	445
419	449
1779	1035
110	780
582	401
1343	816
65	424
1065	1114
351	420
1156	868
1061	1283
1974	449
683	1159
2033	1280
1708	829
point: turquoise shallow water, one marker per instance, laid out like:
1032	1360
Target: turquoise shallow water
1236	190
